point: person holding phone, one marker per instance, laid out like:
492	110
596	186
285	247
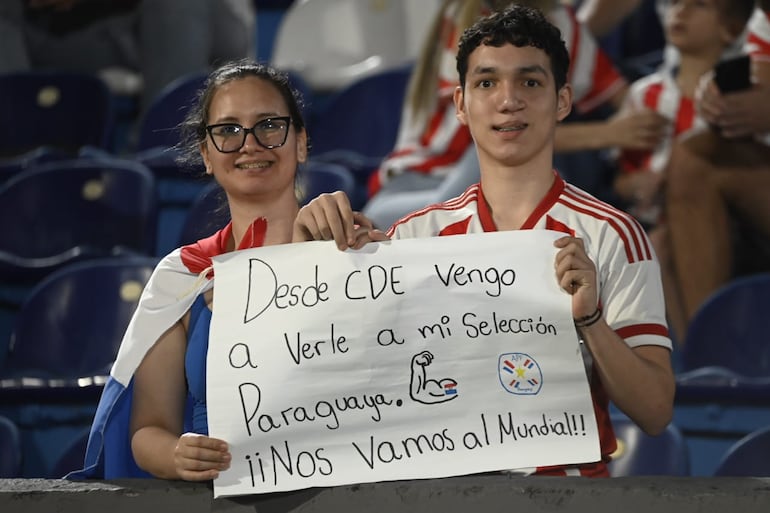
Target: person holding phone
700	31
718	180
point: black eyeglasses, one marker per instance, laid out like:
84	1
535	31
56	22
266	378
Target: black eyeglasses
270	133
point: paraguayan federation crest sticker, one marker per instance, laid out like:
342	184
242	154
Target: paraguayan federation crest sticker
519	374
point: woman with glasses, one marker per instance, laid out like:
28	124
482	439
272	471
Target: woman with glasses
247	129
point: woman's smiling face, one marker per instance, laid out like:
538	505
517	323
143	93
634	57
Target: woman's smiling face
253	170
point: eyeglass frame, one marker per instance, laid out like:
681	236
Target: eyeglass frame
247	131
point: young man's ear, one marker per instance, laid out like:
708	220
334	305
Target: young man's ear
459	99
564	102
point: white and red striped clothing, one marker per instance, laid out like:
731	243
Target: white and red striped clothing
630	289
758	39
758	46
435	142
660	92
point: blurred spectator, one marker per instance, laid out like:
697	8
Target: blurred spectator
701	31
135	46
718	182
432	145
603	16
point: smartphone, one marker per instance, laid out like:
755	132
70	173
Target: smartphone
733	74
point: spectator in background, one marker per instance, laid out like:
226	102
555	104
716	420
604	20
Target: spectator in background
718	182
136	46
433	151
700	31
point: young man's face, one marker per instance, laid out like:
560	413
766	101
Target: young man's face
511	105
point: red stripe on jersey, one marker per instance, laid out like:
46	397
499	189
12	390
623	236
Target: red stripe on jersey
637	244
605	73
652	96
759	47
435	121
642	329
558	226
550	199
685	116
462	201
460	142
458	228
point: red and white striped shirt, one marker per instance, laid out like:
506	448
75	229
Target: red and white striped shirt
434	143
660	92
758	39
630	287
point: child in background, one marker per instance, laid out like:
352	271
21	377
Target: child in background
701	31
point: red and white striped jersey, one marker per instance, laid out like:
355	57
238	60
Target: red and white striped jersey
435	142
630	287
758	39
758	46
660	92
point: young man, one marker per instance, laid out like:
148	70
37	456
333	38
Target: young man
512	93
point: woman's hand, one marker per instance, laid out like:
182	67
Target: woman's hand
200	458
330	217
576	274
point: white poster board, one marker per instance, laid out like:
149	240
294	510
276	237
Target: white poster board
407	359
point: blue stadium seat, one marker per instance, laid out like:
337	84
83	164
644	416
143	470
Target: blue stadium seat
159	126
317	177
10	449
732	329
360	122
52	108
749	456
207	214
73	456
69	328
358	125
726	355
64	211
640	454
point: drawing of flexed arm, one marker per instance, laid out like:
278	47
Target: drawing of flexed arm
425	390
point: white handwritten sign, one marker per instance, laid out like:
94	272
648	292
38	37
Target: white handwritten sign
406	359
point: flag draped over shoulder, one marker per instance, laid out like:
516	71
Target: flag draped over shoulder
170	292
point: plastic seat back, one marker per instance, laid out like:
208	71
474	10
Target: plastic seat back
60	109
732	329
70	210
72	323
73	456
360	123
207	214
749	456
350	39
10	449
320	177
159	126
639	454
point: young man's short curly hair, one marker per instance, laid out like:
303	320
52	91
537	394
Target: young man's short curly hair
520	26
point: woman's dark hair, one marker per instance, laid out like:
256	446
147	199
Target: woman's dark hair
193	128
520	26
